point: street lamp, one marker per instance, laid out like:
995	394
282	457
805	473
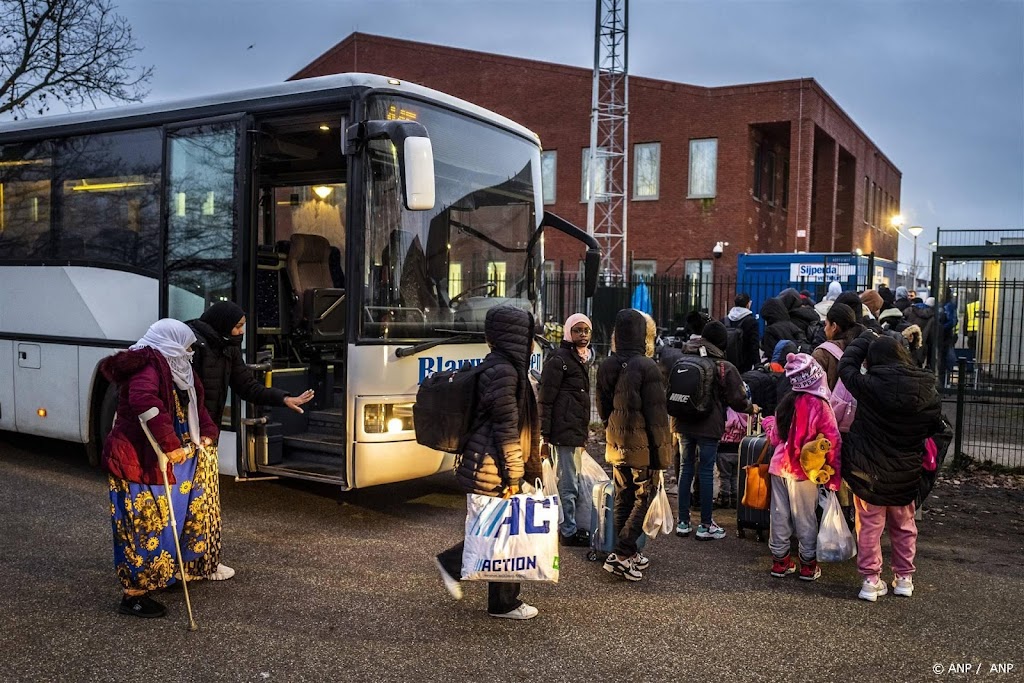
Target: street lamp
914	230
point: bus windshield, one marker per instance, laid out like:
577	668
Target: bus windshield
429	272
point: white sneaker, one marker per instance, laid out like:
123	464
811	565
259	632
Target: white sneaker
521	613
221	573
903	586
872	591
450	582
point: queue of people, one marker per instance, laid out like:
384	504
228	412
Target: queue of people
863	356
836	372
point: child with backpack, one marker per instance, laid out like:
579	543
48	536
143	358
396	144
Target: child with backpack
503	449
802	417
631	403
564	403
701	384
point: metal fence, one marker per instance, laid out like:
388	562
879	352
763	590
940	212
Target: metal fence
670	297
985	403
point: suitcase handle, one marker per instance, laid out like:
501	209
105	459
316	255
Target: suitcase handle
751	419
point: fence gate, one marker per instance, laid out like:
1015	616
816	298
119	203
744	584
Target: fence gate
979	274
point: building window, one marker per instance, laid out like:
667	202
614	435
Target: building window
646	170
770	177
703	168
698	284
785	184
496	271
874	204
867	200
600	183
454	279
548	167
645	268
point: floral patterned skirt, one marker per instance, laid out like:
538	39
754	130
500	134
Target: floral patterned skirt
145	557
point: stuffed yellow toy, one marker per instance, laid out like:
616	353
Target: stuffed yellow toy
812	460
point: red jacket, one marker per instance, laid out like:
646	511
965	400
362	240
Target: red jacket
145	382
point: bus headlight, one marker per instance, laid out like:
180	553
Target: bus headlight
391	418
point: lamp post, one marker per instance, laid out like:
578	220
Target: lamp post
914	230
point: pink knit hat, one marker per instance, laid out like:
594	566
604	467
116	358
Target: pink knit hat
806	375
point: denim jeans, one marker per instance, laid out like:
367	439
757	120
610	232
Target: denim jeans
633	495
502	597
567	464
690	450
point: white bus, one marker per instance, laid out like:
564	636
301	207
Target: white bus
364	224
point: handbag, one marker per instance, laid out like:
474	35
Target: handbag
757	494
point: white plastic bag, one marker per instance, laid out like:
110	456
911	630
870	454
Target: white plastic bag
550	482
835	542
659	516
590	474
511	539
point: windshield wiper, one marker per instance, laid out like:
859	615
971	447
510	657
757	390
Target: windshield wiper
459	337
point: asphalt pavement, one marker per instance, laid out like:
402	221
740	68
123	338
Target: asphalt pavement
341	587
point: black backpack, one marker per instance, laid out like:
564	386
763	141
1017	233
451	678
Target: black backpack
445	412
691	392
734	343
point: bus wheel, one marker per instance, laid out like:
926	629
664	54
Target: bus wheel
103	421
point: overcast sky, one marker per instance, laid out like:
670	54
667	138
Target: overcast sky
937	84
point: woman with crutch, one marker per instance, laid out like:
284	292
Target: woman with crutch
156	372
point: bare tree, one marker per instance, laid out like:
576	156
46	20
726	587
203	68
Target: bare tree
70	51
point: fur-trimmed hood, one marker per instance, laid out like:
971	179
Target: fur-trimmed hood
123	365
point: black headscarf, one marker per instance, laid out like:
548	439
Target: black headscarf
222	317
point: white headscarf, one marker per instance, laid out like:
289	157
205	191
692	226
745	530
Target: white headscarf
834	290
171	338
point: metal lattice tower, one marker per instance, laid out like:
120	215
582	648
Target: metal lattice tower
609	136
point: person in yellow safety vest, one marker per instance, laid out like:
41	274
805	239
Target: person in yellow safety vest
971	332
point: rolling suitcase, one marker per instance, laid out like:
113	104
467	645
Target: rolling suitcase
751	448
602	523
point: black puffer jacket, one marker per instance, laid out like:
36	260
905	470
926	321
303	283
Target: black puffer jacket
923	316
219	364
778	326
897	409
505	447
564	399
728	390
801	311
631	397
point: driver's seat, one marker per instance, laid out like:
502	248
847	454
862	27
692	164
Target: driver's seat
319	305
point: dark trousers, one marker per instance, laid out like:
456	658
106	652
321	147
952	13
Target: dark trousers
633	493
501	597
728	464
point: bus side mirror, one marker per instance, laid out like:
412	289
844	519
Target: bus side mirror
592	262
415	156
418	174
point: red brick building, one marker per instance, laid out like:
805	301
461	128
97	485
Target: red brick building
766	167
